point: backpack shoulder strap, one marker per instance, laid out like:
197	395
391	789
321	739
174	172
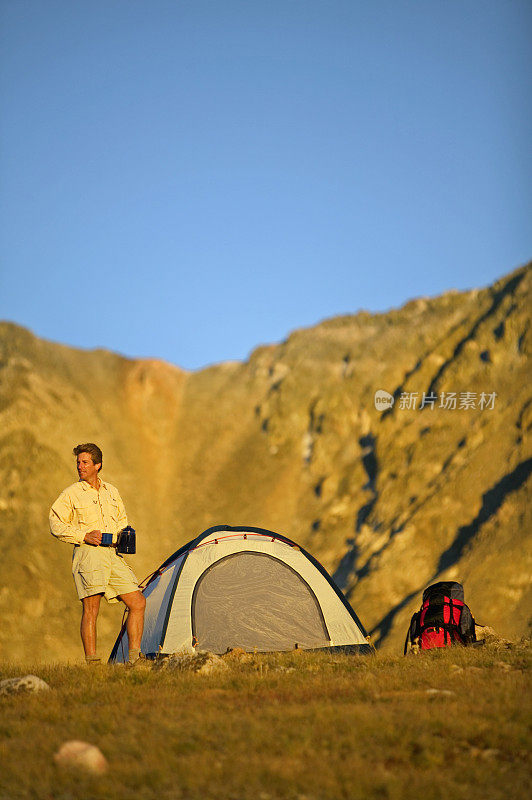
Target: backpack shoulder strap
411	629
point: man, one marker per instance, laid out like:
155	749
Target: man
79	516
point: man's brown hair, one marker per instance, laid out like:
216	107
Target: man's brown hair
92	449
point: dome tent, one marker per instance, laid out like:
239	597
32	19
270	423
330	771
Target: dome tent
243	587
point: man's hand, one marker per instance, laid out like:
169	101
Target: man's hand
93	537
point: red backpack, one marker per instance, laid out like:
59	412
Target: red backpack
443	619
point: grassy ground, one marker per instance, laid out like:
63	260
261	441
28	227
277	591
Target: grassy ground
302	726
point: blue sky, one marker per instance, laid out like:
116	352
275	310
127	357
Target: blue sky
188	179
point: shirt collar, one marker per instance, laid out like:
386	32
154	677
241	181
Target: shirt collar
86	486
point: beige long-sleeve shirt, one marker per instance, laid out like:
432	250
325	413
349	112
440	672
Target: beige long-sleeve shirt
80	508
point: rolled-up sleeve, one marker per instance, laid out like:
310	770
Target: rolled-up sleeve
61	518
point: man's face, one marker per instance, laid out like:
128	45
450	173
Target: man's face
87	469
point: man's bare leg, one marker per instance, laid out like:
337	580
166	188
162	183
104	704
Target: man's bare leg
91	607
136	603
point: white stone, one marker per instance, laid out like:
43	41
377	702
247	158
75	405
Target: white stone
202	662
212	663
29	683
81	755
442	692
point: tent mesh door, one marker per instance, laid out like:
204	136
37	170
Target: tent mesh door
255	601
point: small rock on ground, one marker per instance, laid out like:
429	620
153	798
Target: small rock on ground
204	663
81	755
28	683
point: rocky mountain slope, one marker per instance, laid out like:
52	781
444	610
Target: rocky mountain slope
291	440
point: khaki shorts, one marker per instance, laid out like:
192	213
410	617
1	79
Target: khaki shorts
100	570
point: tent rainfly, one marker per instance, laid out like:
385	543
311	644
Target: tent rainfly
243	587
